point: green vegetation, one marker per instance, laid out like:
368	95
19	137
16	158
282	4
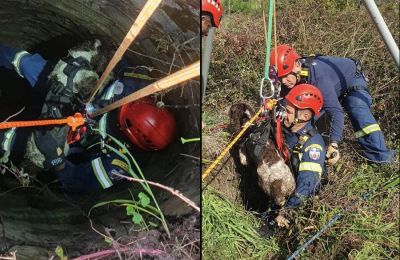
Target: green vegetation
254	6
248	6
142	205
229	232
370	230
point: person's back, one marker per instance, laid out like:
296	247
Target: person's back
343	85
328	72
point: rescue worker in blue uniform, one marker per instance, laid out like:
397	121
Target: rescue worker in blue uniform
306	145
62	84
141	126
94	169
342	82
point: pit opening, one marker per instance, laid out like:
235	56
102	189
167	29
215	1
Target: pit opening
41	215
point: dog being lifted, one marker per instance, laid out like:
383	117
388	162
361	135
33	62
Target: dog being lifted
274	176
70	81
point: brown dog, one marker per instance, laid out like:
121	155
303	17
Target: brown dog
274	176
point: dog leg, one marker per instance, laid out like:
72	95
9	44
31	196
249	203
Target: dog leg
242	156
281	221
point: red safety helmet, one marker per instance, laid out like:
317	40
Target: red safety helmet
306	96
213	7
146	125
286	59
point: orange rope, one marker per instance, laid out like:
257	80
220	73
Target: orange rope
72	121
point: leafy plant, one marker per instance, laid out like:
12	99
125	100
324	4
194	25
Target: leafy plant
60	253
146	202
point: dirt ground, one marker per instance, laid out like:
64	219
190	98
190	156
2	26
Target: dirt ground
184	242
225	179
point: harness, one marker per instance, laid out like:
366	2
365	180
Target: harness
298	148
304	73
60	97
257	140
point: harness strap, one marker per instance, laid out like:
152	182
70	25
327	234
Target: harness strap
257	140
297	149
73	66
279	140
351	89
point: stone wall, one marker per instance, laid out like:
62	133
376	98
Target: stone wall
169	41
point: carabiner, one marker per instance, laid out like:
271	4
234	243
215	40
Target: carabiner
271	88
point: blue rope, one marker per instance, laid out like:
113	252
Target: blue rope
305	245
365	196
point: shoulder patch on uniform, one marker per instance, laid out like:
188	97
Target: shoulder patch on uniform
314	153
124	166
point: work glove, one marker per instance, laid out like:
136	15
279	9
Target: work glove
332	154
51	143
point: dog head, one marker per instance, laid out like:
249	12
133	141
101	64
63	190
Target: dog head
239	114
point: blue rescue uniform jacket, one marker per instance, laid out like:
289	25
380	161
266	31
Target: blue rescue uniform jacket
307	153
95	171
342	84
332	75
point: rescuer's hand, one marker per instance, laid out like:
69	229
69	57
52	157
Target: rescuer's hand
332	154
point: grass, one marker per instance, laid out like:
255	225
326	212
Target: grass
229	232
339	28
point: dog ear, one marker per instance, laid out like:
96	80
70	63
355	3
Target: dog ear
106	50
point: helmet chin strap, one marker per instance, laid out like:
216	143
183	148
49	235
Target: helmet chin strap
297	120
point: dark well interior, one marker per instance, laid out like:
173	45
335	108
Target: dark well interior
170	40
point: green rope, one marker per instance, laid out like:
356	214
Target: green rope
268	54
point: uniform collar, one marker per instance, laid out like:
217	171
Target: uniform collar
305	129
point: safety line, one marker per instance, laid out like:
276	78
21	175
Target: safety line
73	121
137	26
365	196
230	145
267	56
165	83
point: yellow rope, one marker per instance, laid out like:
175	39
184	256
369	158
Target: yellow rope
163	84
221	156
265	28
137	26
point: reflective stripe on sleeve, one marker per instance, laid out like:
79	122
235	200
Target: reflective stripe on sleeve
101	174
103	125
310	166
313	146
367	130
6	145
17	60
110	91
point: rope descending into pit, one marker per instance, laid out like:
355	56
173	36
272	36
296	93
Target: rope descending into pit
178	77
137	26
185	74
230	145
